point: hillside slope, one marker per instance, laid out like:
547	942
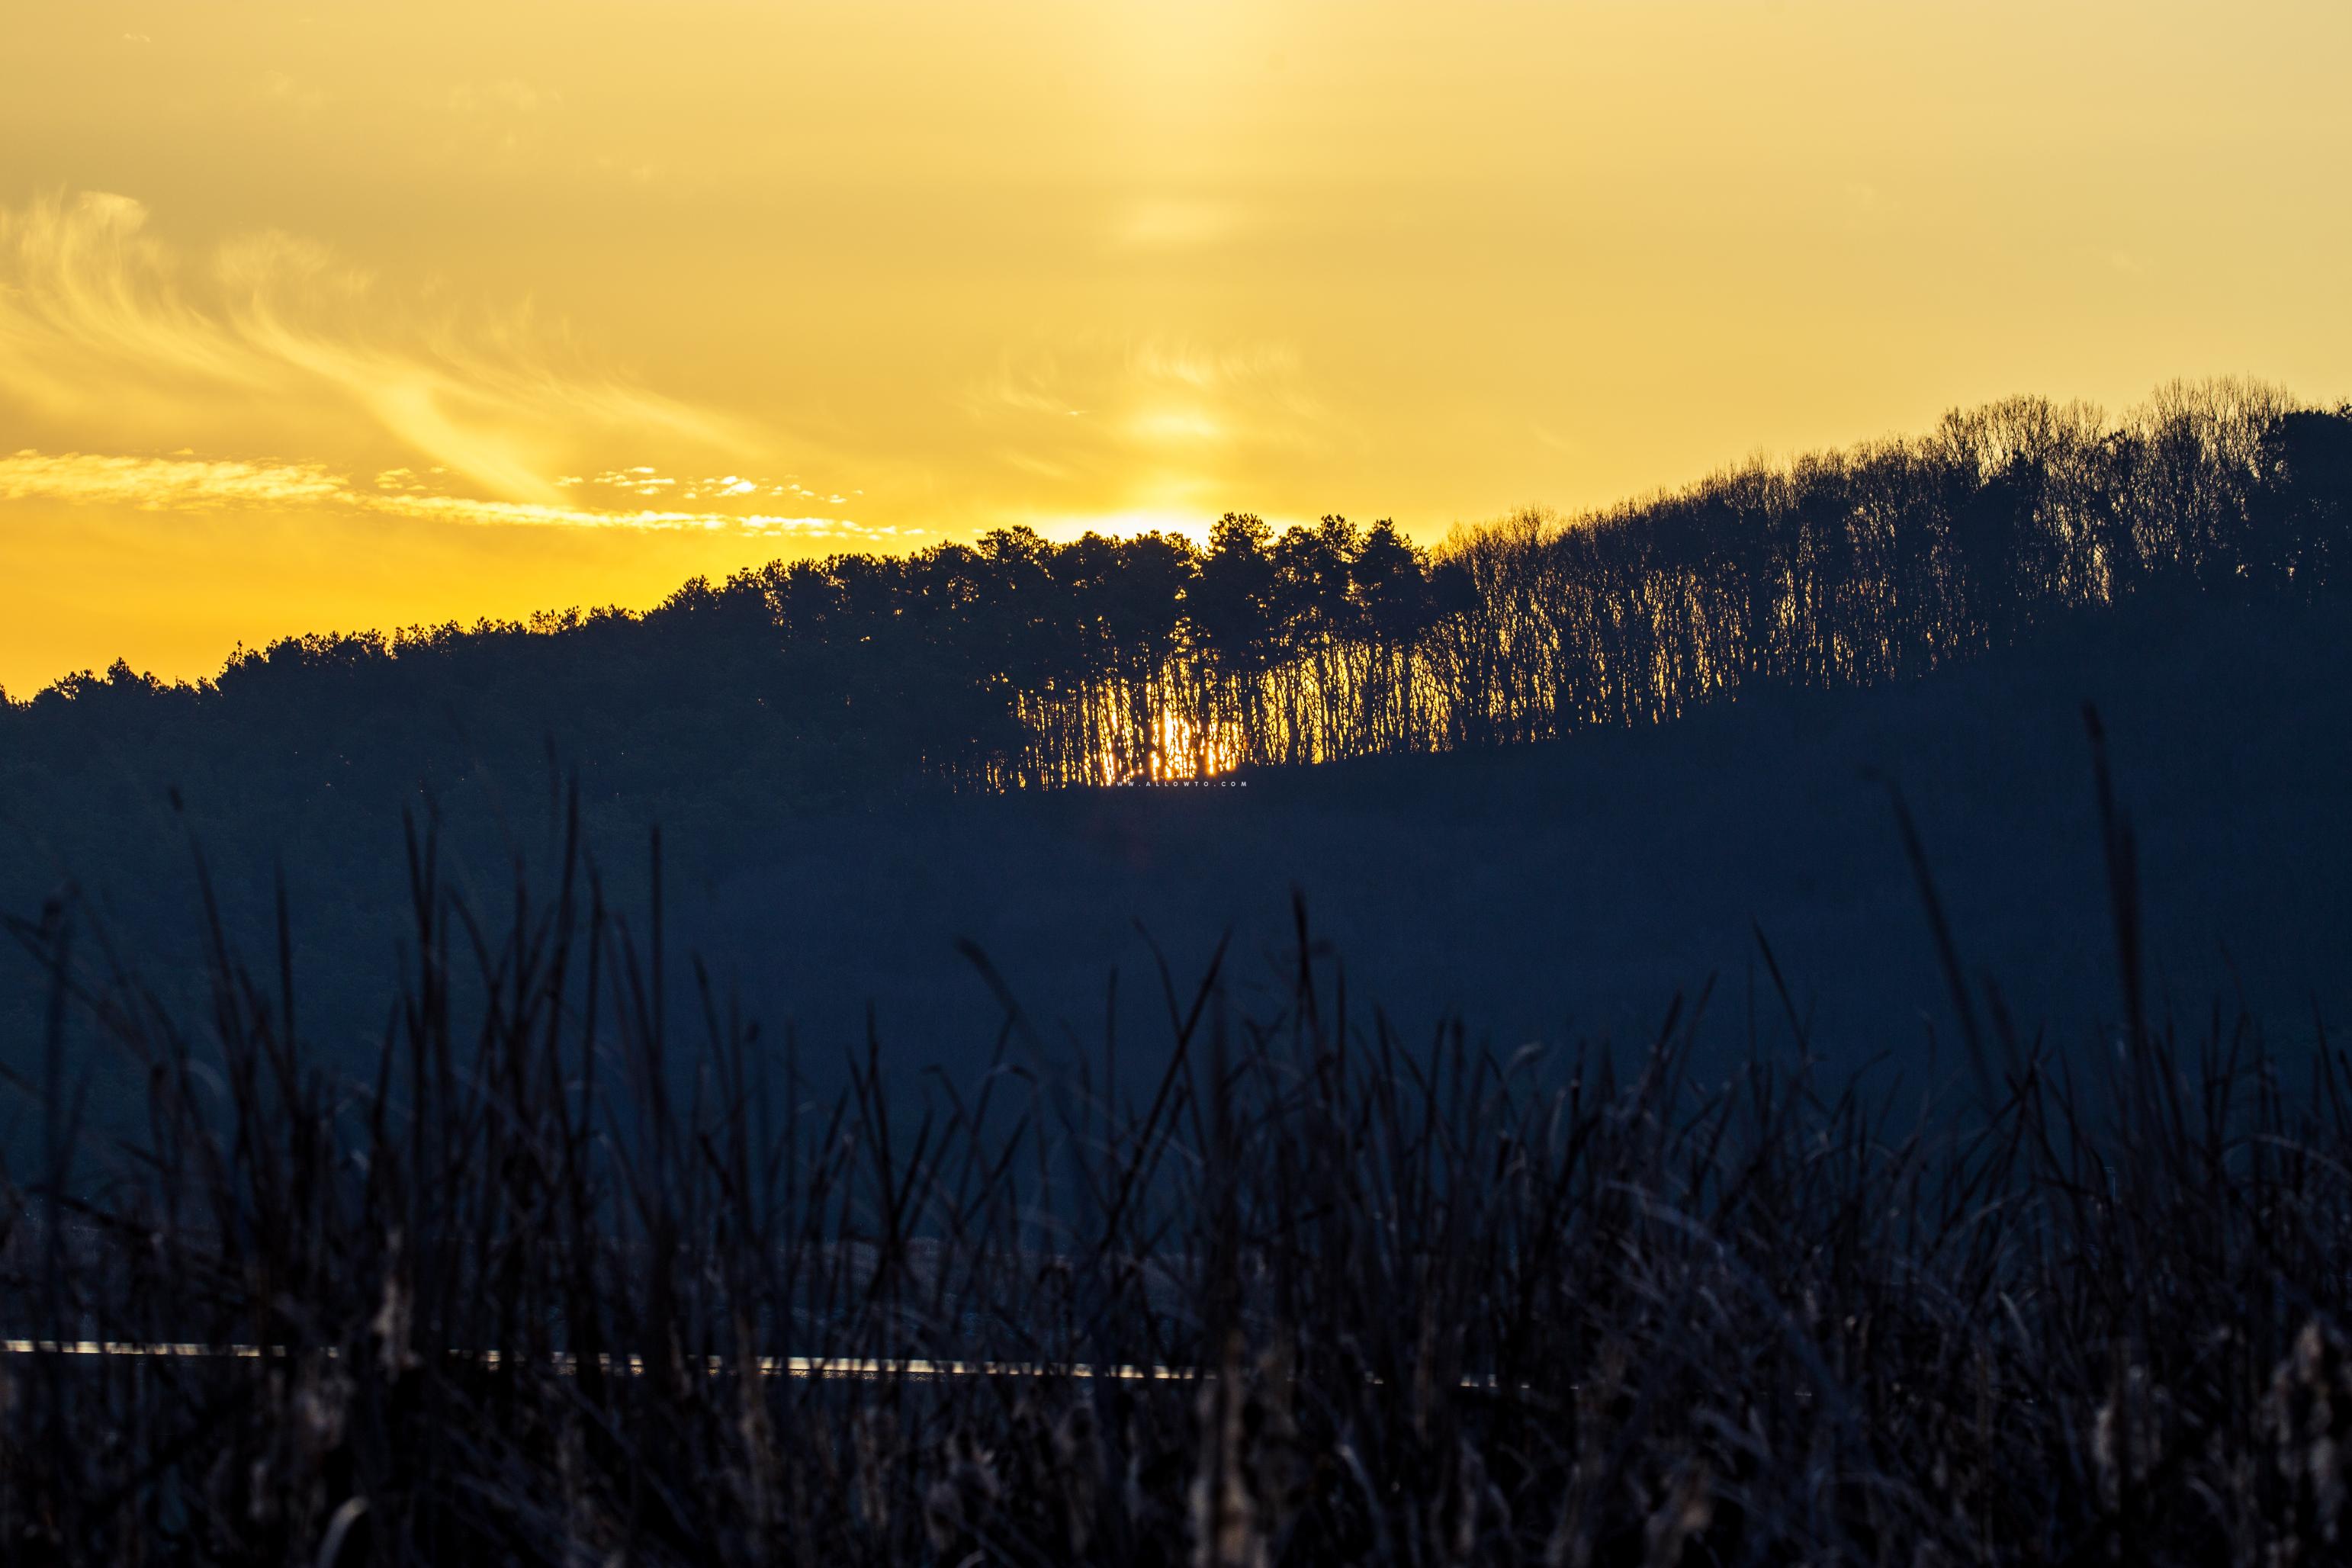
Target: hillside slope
1574	887
1542	891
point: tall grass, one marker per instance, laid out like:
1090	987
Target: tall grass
1387	1300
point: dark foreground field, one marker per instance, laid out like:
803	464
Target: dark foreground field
1398	1302
2065	1284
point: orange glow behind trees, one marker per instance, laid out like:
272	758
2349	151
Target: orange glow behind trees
329	316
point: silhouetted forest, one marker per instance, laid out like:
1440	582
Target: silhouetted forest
1017	663
2041	1285
751	718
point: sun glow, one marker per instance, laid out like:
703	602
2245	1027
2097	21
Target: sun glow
783	281
1179	749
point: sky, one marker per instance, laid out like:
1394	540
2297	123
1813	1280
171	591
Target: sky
331	314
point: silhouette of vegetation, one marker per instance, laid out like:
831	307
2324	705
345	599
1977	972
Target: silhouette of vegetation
1016	663
1414	1303
515	1280
808	691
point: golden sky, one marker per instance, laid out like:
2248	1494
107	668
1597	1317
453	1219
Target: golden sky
329	314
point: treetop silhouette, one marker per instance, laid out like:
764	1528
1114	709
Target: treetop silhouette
1016	663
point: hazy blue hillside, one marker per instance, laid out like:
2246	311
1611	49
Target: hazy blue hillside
1542	891
1574	886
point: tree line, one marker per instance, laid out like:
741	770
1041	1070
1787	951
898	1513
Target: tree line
1016	662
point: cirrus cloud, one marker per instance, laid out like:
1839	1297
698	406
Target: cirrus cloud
113	335
1171	426
185	482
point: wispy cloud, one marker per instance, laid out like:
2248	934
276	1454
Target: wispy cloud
155	484
189	483
508	95
106	329
1174	223
1171	424
646	481
1155	392
292	95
